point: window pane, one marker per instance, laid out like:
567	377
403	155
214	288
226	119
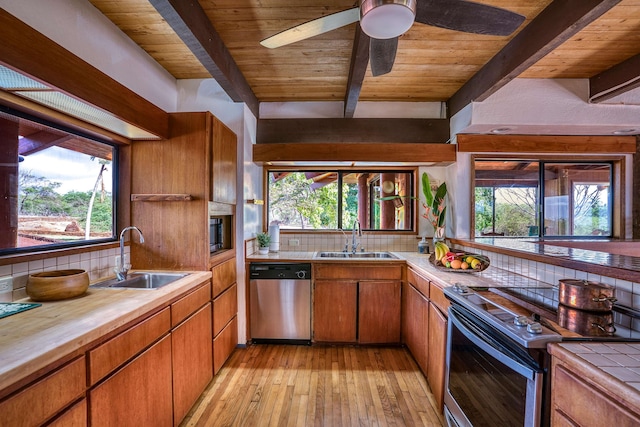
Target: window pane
577	199
57	187
319	200
505	198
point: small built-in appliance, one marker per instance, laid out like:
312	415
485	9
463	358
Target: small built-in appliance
220	227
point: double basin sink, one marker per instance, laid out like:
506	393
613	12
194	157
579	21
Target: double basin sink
142	280
356	255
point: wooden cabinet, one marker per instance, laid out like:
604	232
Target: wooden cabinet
224	161
335	305
45	398
582	396
139	394
357	303
192	355
225	310
416	324
75	416
199	161
425	329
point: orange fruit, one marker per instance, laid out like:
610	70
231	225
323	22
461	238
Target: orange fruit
456	264
464	266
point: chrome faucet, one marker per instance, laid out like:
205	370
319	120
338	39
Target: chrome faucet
123	269
354	242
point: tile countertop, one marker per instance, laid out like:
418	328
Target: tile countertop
613	366
33	339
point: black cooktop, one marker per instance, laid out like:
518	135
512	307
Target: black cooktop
620	324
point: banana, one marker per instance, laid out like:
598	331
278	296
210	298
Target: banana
441	250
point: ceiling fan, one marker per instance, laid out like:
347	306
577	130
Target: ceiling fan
385	20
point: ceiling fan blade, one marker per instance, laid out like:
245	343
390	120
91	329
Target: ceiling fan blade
468	17
312	28
382	54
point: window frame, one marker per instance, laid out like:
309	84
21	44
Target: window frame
616	196
413	171
28	252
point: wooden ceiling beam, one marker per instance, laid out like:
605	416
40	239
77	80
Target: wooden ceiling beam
615	81
40	141
193	26
357	71
477	143
558	22
352	130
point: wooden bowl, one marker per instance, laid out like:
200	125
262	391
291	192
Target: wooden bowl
57	284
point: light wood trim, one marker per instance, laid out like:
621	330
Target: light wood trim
187	305
351	152
418	281
357	273
476	143
42	400
225	307
108	356
76	416
224	344
25	49
224	275
161	197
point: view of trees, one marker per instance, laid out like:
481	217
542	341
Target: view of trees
515	210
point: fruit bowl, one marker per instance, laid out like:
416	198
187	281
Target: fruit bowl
483	262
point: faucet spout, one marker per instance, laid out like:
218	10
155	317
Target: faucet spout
123	269
356	229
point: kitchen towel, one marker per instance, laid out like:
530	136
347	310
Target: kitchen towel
9	308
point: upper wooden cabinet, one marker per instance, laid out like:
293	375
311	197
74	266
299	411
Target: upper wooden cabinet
224	164
198	162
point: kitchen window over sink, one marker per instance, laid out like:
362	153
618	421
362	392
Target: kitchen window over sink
381	200
57	186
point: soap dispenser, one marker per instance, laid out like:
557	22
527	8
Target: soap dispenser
423	246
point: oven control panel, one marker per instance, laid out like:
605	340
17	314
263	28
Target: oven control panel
525	330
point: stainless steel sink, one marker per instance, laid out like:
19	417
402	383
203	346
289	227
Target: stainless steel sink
142	280
347	255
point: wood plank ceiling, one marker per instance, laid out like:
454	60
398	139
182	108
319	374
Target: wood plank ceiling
220	38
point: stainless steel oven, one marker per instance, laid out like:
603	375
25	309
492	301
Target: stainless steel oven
496	373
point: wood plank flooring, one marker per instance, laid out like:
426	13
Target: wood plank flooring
281	385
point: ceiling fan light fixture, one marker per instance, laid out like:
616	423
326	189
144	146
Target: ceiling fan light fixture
386	19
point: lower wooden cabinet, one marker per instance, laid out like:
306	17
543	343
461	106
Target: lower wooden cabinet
225	310
192	361
416	321
437	351
75	416
335	305
139	394
224	344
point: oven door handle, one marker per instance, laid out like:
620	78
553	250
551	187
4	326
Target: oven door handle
497	353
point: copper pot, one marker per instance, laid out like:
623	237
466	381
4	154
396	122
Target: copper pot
585	295
587	323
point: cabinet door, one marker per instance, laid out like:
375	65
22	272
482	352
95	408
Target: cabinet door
224	154
417	325
137	395
334	310
437	350
192	362
379	312
76	416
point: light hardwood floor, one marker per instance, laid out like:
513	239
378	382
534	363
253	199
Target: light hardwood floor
280	385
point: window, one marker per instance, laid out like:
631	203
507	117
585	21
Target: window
57	187
513	197
335	199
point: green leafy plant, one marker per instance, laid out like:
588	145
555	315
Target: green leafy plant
263	240
435	208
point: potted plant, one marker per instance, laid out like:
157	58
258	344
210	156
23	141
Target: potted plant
263	243
434	207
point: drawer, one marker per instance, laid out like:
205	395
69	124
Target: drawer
437	297
348	271
418	282
224	308
48	396
189	304
224	275
113	353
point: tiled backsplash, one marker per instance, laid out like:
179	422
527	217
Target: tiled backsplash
98	264
336	242
627	293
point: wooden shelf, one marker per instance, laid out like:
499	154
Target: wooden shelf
161	197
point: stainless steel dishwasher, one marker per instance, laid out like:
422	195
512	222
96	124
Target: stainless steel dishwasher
280	302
